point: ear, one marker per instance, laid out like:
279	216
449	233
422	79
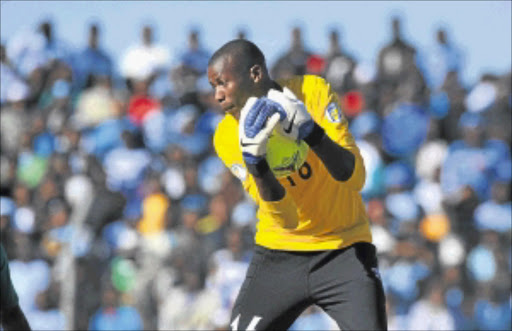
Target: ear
256	73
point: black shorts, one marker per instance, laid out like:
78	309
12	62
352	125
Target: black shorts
280	285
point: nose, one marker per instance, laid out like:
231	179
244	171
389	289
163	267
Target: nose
219	95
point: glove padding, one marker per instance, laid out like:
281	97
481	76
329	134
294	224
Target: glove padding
298	123
258	119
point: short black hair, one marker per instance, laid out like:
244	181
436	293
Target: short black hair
240	49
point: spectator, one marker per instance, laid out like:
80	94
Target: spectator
92	60
430	312
339	67
293	62
30	274
15	121
145	60
227	271
187	307
496	213
471	160
195	57
493	311
96	104
398	77
441	58
30	50
115	316
125	165
397	57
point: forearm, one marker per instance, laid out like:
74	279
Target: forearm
14	319
339	161
269	187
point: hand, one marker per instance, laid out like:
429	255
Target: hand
298	123
257	120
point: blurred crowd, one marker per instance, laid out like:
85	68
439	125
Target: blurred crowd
117	214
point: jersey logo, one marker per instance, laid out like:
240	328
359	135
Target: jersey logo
244	144
289	128
332	113
239	171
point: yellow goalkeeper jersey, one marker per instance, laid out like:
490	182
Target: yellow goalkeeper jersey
330	214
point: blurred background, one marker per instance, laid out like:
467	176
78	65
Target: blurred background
117	214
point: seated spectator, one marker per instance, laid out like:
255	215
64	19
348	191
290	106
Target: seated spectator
227	272
492	312
15	121
402	277
96	103
430	312
29	273
427	191
472	159
47	315
115	316
496	214
125	165
182	131
188	306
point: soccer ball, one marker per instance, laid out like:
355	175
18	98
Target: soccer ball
285	156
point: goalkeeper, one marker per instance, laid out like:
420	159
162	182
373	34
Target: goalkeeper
313	241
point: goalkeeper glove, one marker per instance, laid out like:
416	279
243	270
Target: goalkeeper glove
298	123
257	120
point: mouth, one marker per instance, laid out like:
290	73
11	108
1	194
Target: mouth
229	108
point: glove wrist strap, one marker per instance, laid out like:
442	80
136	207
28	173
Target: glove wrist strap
258	169
315	136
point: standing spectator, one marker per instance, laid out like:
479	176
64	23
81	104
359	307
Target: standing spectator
30	50
195	57
92	60
294	61
441	58
397	57
192	65
397	75
145	60
455	93
340	65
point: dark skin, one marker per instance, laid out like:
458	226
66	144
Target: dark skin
234	81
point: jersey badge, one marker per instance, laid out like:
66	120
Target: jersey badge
239	171
332	113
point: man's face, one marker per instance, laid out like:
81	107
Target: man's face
232	86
